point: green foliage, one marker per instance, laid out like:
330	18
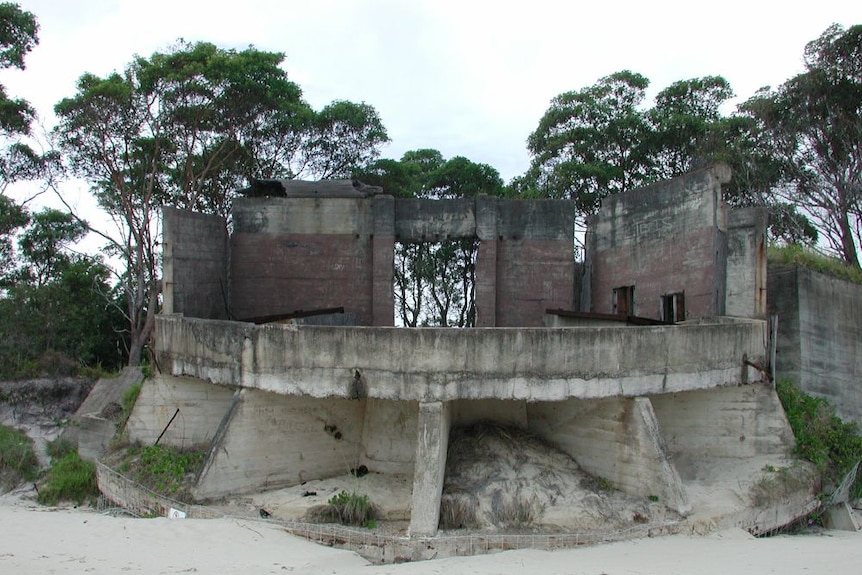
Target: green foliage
69	479
60	448
347	509
812	127
18	34
434	281
130	396
832	445
592	142
18	462
163	469
65	322
797	255
187	128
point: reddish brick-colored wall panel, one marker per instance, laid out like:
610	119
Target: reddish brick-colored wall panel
282	273
686	264
533	275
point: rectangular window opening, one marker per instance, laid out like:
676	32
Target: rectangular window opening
624	300
673	307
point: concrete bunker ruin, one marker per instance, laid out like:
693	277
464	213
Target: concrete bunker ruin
652	372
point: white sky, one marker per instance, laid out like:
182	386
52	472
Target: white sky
469	78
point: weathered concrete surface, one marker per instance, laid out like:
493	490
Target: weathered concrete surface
819	335
431	445
745	295
678	236
722	427
95	422
292	253
617	439
664	238
389	436
195	267
447	364
270	440
199	409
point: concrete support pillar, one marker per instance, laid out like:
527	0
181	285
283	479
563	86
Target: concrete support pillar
432	442
383	254
486	262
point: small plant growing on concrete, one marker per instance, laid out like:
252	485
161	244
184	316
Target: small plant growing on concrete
162	468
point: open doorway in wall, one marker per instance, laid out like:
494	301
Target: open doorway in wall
435	283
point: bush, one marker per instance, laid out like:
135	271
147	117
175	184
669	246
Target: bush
69	479
347	509
60	448
821	436
18	462
797	255
161	468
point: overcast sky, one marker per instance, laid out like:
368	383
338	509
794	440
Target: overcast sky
469	78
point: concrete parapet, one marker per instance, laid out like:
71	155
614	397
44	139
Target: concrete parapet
445	364
95	422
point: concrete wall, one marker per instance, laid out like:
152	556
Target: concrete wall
616	439
290	254
202	408
745	295
664	238
389	436
445	364
195	251
274	441
303	253
525	263
819	335
729	424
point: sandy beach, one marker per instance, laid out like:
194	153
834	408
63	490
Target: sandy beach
42	540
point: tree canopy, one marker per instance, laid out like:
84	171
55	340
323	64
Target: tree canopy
187	128
812	127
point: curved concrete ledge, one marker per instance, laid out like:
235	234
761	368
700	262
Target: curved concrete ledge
447	364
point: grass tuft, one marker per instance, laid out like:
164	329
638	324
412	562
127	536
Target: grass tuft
69	479
347	509
796	255
18	462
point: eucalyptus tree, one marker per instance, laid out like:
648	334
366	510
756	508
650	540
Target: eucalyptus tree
18	35
593	142
813	125
186	128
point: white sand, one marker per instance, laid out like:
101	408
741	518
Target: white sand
41	540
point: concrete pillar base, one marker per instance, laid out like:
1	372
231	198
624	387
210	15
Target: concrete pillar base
432	443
